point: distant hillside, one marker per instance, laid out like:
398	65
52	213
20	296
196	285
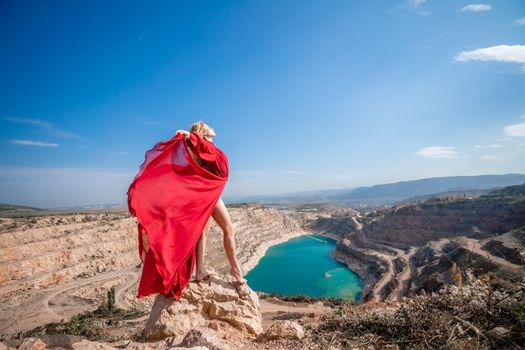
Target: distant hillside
291	197
496	212
445	195
406	189
16	208
378	195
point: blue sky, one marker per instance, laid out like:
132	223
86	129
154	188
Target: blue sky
303	95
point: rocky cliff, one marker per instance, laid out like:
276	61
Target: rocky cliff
53	267
400	250
416	224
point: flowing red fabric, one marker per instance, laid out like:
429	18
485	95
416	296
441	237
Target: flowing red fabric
172	197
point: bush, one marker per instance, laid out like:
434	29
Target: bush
440	320
81	325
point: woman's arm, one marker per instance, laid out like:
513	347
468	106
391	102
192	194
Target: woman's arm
191	143
200	149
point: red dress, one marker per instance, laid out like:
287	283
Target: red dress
212	159
172	197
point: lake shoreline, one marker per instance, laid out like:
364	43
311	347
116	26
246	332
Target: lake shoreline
325	276
254	259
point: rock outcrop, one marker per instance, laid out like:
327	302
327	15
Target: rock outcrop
201	302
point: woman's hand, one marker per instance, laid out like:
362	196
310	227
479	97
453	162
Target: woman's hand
186	133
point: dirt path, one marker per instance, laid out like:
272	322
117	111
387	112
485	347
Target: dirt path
386	277
358	224
403	277
269	307
59	302
120	291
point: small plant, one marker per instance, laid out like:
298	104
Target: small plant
349	300
456	275
110	304
519	311
84	325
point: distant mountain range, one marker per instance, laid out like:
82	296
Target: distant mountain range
390	193
368	196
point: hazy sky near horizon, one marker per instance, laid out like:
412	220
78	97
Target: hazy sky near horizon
303	95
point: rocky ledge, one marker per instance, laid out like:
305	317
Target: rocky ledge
203	304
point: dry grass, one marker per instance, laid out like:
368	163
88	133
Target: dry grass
453	318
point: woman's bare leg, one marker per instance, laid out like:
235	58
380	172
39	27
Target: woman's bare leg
145	245
200	271
222	218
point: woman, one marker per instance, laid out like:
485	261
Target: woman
176	190
206	154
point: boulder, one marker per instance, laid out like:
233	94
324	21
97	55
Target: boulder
213	299
170	318
283	329
204	337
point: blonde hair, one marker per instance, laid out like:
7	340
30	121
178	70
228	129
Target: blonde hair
200	128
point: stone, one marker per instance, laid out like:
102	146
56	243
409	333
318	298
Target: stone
214	325
32	343
213	299
131	345
60	340
500	337
498	332
12	343
204	337
170	318
283	329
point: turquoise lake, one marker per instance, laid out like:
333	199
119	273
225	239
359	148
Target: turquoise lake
303	265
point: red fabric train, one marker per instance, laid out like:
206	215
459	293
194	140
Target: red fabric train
172	197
